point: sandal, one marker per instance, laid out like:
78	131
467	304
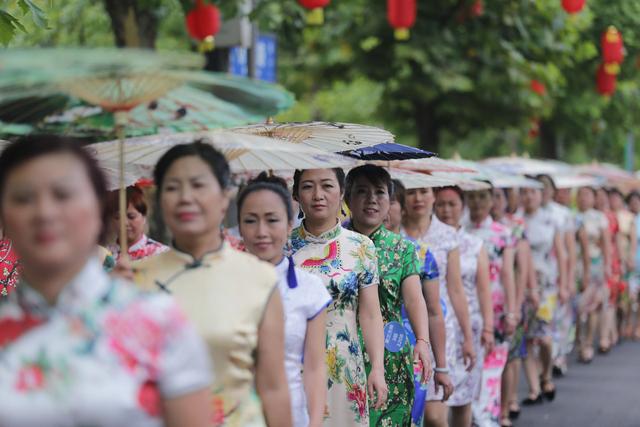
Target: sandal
532	400
586	355
505	422
514	410
548	394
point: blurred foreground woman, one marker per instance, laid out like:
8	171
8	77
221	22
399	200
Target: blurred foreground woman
77	346
230	295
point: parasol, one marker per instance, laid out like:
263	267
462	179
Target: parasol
388	151
411	180
496	178
116	80
433	164
611	175
526	166
326	136
244	152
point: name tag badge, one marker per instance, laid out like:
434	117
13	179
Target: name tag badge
395	336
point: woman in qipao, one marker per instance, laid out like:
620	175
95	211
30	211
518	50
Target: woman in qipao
265	218
347	264
368	191
79	347
230	295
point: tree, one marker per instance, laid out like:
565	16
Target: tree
11	23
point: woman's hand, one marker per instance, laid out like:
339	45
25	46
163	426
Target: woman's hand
422	355
442	380
534	298
377	387
123	269
563	295
510	323
488	340
468	354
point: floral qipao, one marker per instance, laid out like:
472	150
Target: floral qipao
346	262
9	268
497	238
440	239
397	260
143	248
104	355
469	382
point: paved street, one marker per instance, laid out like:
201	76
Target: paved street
605	393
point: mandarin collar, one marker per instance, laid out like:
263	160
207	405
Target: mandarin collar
191	261
140	244
324	237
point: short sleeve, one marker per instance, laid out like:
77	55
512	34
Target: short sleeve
410	262
369	260
184	365
319	297
430	268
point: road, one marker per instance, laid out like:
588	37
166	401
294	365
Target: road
602	394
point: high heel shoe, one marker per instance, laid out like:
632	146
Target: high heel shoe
514	414
530	401
548	394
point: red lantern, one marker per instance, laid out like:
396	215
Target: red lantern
401	15
612	46
315	15
573	6
605	82
538	87
203	23
477	8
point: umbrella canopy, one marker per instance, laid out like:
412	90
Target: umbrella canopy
330	137
488	174
244	152
388	151
611	175
526	166
433	164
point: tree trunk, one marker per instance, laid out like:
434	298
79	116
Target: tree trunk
548	141
133	25
426	126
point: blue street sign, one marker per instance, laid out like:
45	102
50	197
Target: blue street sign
266	59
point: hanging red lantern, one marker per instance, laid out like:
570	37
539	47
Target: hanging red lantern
605	82
315	14
203	23
573	6
401	15
612	46
477	8
538	87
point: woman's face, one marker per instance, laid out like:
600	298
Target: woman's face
319	195
585	199
264	225
393	221
51	212
616	201
419	202
369	203
448	207
602	200
479	203
634	204
513	199
531	199
499	207
563	196
192	201
136	223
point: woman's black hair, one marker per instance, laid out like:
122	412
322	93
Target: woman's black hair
28	148
614	190
204	151
376	175
593	190
297	176
542	177
264	182
398	192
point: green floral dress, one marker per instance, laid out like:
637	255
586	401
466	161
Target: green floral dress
346	262
397	260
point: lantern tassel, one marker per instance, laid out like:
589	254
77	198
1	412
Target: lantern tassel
315	16
401	34
207	44
612	68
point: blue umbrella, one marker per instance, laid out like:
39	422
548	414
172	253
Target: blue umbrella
388	151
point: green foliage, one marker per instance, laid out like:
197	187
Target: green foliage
11	23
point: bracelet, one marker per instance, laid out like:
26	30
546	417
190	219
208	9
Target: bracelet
423	340
441	370
488	330
510	315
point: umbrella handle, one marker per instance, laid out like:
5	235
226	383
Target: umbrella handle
120	120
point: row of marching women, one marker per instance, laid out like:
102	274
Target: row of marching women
342	300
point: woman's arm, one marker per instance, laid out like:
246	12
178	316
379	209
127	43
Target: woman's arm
572	260
558	245
419	318
508	283
460	304
271	379
605	245
522	272
633	247
483	287
193	410
583	239
431	292
372	326
315	369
